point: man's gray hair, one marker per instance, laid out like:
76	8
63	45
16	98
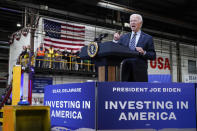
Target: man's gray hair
139	16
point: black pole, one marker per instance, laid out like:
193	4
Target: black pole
31	53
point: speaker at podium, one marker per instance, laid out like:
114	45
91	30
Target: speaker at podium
107	56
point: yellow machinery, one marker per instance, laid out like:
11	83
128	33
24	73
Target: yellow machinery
16	84
1	119
26	118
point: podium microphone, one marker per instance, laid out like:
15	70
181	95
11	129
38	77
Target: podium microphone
101	36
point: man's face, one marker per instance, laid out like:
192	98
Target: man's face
135	23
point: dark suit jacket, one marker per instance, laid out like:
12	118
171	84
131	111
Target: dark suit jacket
145	42
135	69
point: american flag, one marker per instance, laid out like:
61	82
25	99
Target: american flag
62	35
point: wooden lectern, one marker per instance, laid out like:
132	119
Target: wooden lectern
108	59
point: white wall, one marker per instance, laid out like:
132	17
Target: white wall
90	31
15	49
188	52
38	34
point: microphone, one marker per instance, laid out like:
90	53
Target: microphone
101	36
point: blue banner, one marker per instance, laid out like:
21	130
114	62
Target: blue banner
72	106
146	106
40	82
167	78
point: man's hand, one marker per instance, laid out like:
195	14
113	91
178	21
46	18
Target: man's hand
140	50
116	36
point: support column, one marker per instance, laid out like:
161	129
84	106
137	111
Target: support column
32	31
179	68
171	62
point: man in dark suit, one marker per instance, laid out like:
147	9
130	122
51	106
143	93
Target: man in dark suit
135	69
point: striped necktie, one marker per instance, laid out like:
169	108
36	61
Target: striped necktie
132	42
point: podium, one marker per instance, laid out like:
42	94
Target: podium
108	59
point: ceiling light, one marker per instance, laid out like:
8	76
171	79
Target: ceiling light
18	25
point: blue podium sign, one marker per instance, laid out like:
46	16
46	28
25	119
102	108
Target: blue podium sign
40	82
72	106
146	106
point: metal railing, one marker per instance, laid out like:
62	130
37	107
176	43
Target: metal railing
69	63
7	95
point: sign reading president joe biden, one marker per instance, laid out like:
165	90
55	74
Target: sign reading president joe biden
146	106
72	106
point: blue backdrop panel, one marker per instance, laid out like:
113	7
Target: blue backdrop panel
160	78
40	82
146	105
72	105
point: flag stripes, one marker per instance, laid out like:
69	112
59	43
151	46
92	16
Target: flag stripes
62	35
